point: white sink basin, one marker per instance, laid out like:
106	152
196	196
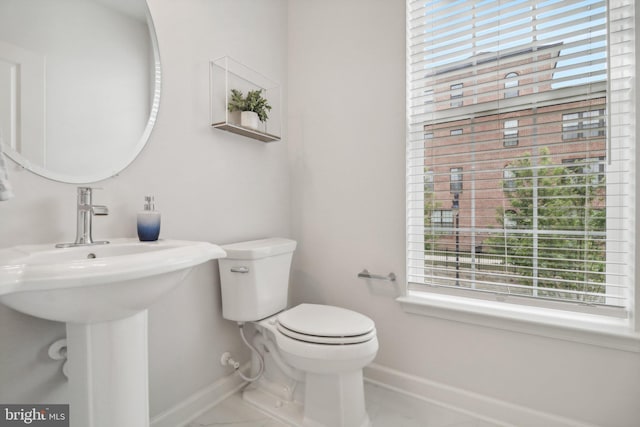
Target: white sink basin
102	293
88	284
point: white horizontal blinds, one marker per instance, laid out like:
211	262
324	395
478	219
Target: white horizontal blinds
518	174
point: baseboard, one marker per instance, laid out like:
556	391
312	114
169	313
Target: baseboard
198	403
485	408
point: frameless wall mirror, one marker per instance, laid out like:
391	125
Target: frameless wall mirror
79	85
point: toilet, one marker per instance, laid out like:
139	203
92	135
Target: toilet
308	359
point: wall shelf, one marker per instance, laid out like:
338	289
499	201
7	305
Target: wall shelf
249	133
225	74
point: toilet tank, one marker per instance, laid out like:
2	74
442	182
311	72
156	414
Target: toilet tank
255	278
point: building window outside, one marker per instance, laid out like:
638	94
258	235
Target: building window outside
510	220
592	167
455	186
508	179
456	95
583	124
510	133
442	218
570	126
455	132
428	181
593	124
511	84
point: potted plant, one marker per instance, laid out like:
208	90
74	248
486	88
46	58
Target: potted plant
253	107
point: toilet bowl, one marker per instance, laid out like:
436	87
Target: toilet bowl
312	355
326	359
325	339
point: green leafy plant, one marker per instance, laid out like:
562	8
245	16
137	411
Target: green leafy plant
563	200
254	101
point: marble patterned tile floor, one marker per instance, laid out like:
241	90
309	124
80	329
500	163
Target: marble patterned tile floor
385	407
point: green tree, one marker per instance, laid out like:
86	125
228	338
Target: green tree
558	220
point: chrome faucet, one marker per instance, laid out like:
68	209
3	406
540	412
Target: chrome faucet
85	213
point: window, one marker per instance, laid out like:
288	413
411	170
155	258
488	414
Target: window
428	182
455	187
456	95
547	213
511	85
510	219
510	133
508	179
583	124
442	218
570	126
591	168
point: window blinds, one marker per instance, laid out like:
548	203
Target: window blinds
519	116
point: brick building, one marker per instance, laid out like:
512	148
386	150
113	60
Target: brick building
471	149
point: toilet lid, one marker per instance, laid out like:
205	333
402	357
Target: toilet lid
314	339
325	324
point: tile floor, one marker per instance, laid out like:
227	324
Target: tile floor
386	409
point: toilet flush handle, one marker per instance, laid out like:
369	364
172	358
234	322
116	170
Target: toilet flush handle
241	269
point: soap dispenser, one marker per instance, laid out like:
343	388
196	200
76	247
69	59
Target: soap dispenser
149	221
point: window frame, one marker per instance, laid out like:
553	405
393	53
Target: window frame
508	179
429	181
510	133
586	166
456	94
511	84
456	180
579	126
609	332
445	218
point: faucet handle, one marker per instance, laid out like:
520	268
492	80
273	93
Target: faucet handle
86	188
85	195
100	210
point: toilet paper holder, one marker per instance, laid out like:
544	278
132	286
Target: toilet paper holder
366	275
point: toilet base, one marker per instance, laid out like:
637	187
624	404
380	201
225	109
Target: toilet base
287	411
292	412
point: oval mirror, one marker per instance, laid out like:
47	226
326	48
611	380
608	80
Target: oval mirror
79	85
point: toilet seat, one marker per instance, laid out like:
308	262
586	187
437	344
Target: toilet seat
325	325
337	340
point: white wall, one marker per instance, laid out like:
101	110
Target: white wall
347	143
209	185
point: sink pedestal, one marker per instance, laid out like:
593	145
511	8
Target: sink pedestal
108	373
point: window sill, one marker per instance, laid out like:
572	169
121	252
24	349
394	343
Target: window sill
577	327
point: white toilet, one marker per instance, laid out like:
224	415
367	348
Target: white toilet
312	355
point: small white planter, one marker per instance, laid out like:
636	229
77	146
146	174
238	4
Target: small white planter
249	119
234	117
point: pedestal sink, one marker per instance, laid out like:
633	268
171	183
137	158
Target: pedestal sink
102	293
